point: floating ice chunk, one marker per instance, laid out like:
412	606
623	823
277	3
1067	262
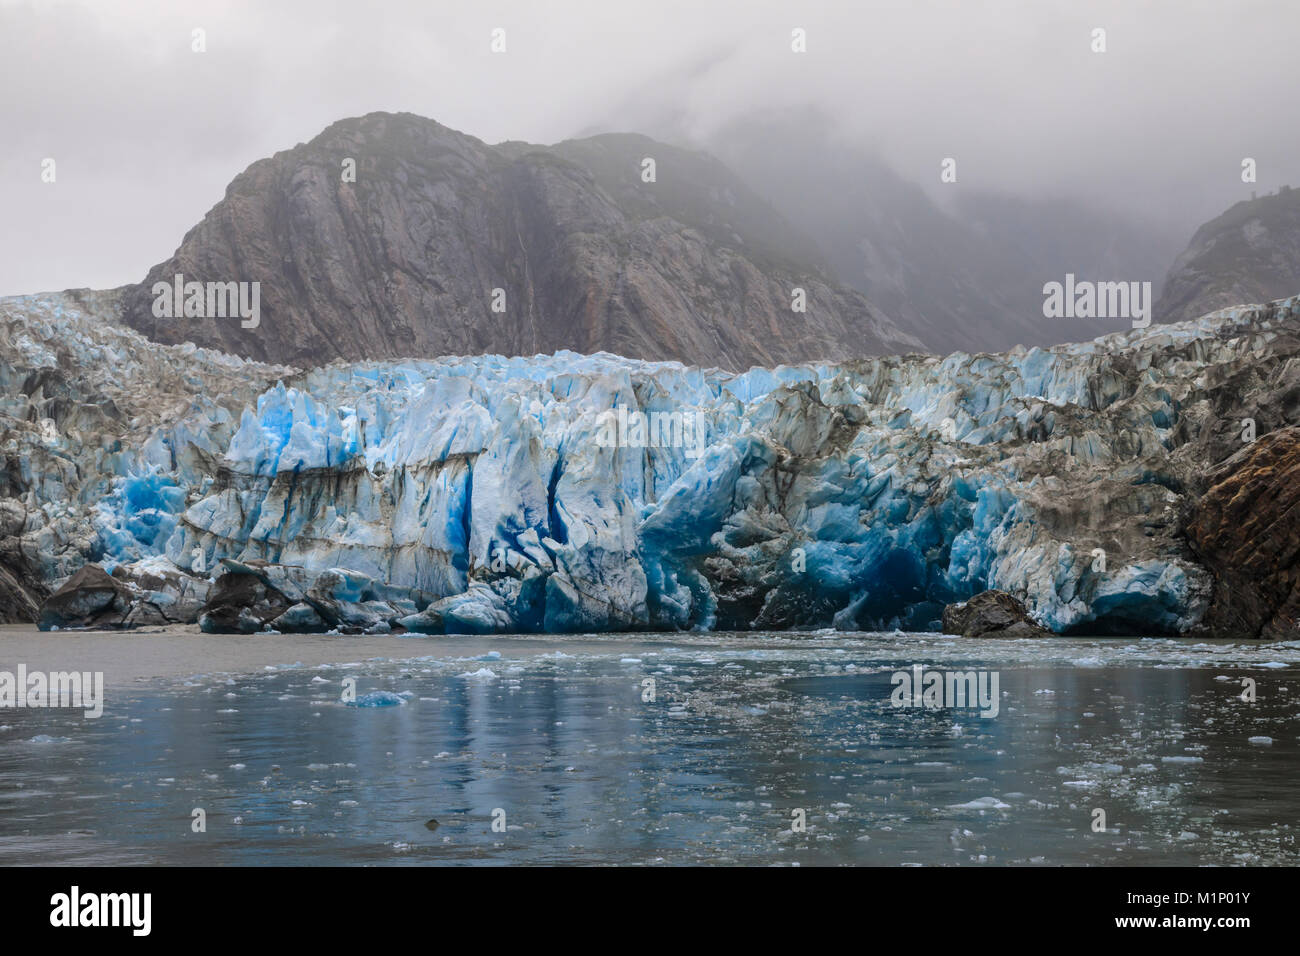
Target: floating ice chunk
981	803
378	698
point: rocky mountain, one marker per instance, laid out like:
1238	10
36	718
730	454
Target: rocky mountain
1251	253
1110	486
446	245
1245	530
968	275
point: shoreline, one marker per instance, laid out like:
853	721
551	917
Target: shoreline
171	653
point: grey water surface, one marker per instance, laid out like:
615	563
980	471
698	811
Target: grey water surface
652	749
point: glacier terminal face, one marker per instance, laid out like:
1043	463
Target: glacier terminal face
596	493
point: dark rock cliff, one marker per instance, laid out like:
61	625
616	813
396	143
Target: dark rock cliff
403	261
1251	253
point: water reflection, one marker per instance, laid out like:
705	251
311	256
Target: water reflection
738	748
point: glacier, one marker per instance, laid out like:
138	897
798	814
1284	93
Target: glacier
475	494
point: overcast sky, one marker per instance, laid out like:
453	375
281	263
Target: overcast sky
146	133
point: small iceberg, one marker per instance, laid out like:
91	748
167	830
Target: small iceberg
982	803
378	698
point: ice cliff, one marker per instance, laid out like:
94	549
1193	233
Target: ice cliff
859	495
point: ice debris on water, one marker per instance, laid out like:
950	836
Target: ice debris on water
378	698
982	803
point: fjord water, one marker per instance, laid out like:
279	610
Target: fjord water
554	738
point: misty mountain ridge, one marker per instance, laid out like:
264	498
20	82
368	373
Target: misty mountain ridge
446	245
969	276
1249	253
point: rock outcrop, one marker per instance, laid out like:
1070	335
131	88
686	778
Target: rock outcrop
21	588
241	603
1251	253
89	598
17	603
147	593
258	596
991	614
444	245
1246	529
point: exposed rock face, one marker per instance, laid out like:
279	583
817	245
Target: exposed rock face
1247	530
255	595
991	614
1249	254
21	589
17	604
160	593
88	598
241	603
147	593
403	261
